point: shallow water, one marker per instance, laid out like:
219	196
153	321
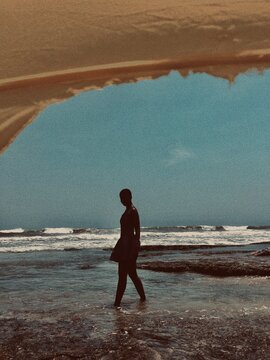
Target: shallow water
58	305
35	280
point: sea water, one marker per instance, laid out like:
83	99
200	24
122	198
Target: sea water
62	238
59	282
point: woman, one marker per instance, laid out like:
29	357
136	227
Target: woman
126	250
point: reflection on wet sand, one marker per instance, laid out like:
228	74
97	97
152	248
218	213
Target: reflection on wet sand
140	335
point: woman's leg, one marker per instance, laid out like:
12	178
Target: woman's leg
132	272
122	282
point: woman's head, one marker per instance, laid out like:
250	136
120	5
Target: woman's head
125	197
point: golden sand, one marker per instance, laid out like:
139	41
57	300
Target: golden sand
54	49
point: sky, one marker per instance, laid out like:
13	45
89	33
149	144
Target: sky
192	150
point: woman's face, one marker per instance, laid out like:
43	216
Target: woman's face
125	200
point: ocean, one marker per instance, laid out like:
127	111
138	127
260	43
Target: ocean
50	239
208	296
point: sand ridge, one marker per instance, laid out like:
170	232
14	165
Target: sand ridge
53	50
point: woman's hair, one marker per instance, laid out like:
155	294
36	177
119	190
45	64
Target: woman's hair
126	193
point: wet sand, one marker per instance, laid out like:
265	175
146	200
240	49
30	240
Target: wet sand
54	306
140	336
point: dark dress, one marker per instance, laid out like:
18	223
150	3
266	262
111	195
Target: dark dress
127	247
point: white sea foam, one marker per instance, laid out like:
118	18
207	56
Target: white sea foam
17	230
62	238
58	231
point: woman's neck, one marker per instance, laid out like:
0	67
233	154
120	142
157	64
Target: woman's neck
129	206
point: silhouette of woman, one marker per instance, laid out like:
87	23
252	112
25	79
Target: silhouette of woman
127	248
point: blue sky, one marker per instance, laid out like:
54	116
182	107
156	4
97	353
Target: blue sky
193	150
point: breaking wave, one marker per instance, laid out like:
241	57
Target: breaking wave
20	240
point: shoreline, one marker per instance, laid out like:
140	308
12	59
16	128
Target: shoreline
59	305
206	330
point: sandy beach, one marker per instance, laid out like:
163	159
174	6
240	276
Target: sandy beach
58	304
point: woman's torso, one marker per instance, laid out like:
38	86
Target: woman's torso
127	223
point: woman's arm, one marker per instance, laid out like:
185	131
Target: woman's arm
136	221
